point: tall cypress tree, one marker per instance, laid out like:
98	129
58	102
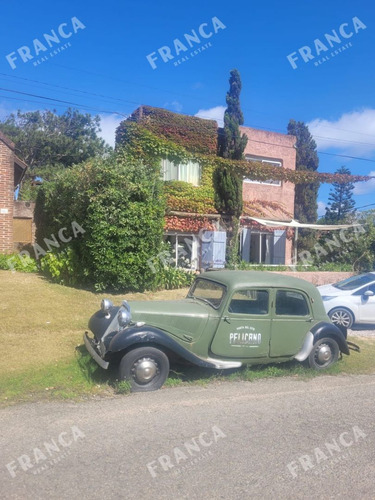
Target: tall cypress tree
306	195
228	184
340	200
232	144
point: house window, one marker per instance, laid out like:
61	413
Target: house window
183	250
260	247
188	172
274	163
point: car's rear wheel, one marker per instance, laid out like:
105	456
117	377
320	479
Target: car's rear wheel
146	368
324	354
341	317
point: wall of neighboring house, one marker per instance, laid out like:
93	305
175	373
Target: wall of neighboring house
23	224
278	150
6	194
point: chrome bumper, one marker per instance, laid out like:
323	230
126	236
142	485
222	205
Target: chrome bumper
93	352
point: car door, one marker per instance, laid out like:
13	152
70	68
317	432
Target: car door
366	305
291	320
245	327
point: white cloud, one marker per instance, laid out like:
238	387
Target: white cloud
108	124
365	187
321	208
216	113
175	105
353	132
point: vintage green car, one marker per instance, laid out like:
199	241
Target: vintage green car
229	318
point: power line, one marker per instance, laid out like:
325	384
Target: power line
59	100
122	114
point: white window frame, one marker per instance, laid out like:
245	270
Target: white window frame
276	163
194	247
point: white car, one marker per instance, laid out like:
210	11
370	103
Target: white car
351	301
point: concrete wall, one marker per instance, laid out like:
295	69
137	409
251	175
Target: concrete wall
318	278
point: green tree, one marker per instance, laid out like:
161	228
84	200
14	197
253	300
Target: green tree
306	195
120	206
228	184
353	247
232	144
48	142
340	201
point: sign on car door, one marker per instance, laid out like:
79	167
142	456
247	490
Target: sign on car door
245	327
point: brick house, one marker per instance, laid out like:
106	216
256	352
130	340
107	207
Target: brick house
194	229
269	200
16	217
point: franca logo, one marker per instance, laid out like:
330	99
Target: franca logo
181	47
47	43
332	44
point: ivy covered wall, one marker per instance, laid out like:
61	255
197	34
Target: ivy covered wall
151	134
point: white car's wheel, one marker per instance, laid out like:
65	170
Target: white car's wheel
341	317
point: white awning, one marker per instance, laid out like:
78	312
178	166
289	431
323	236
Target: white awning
296	224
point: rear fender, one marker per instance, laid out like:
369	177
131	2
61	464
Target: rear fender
320	331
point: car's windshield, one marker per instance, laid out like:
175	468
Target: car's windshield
207	291
355	282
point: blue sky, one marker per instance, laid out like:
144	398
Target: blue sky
105	70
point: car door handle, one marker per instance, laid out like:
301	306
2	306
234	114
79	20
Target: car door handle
226	319
309	320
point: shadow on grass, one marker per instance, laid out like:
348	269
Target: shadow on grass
186	374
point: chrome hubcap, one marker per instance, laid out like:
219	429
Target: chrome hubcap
324	353
341	318
144	370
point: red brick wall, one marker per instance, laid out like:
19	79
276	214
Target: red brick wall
273	146
6	195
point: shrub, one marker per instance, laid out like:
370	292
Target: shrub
60	267
120	206
16	262
174	277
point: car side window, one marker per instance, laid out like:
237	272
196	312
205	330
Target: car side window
365	289
291	303
249	302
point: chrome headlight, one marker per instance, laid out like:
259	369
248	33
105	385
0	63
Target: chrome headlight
105	306
124	315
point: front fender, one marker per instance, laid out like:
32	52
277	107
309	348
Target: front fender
144	335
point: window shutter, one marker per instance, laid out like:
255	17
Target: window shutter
245	244
213	249
220	243
279	240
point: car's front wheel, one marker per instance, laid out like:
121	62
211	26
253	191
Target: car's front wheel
146	368
341	317
324	354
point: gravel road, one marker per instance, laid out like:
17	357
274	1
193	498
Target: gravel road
276	438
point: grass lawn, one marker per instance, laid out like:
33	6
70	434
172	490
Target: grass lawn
41	332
